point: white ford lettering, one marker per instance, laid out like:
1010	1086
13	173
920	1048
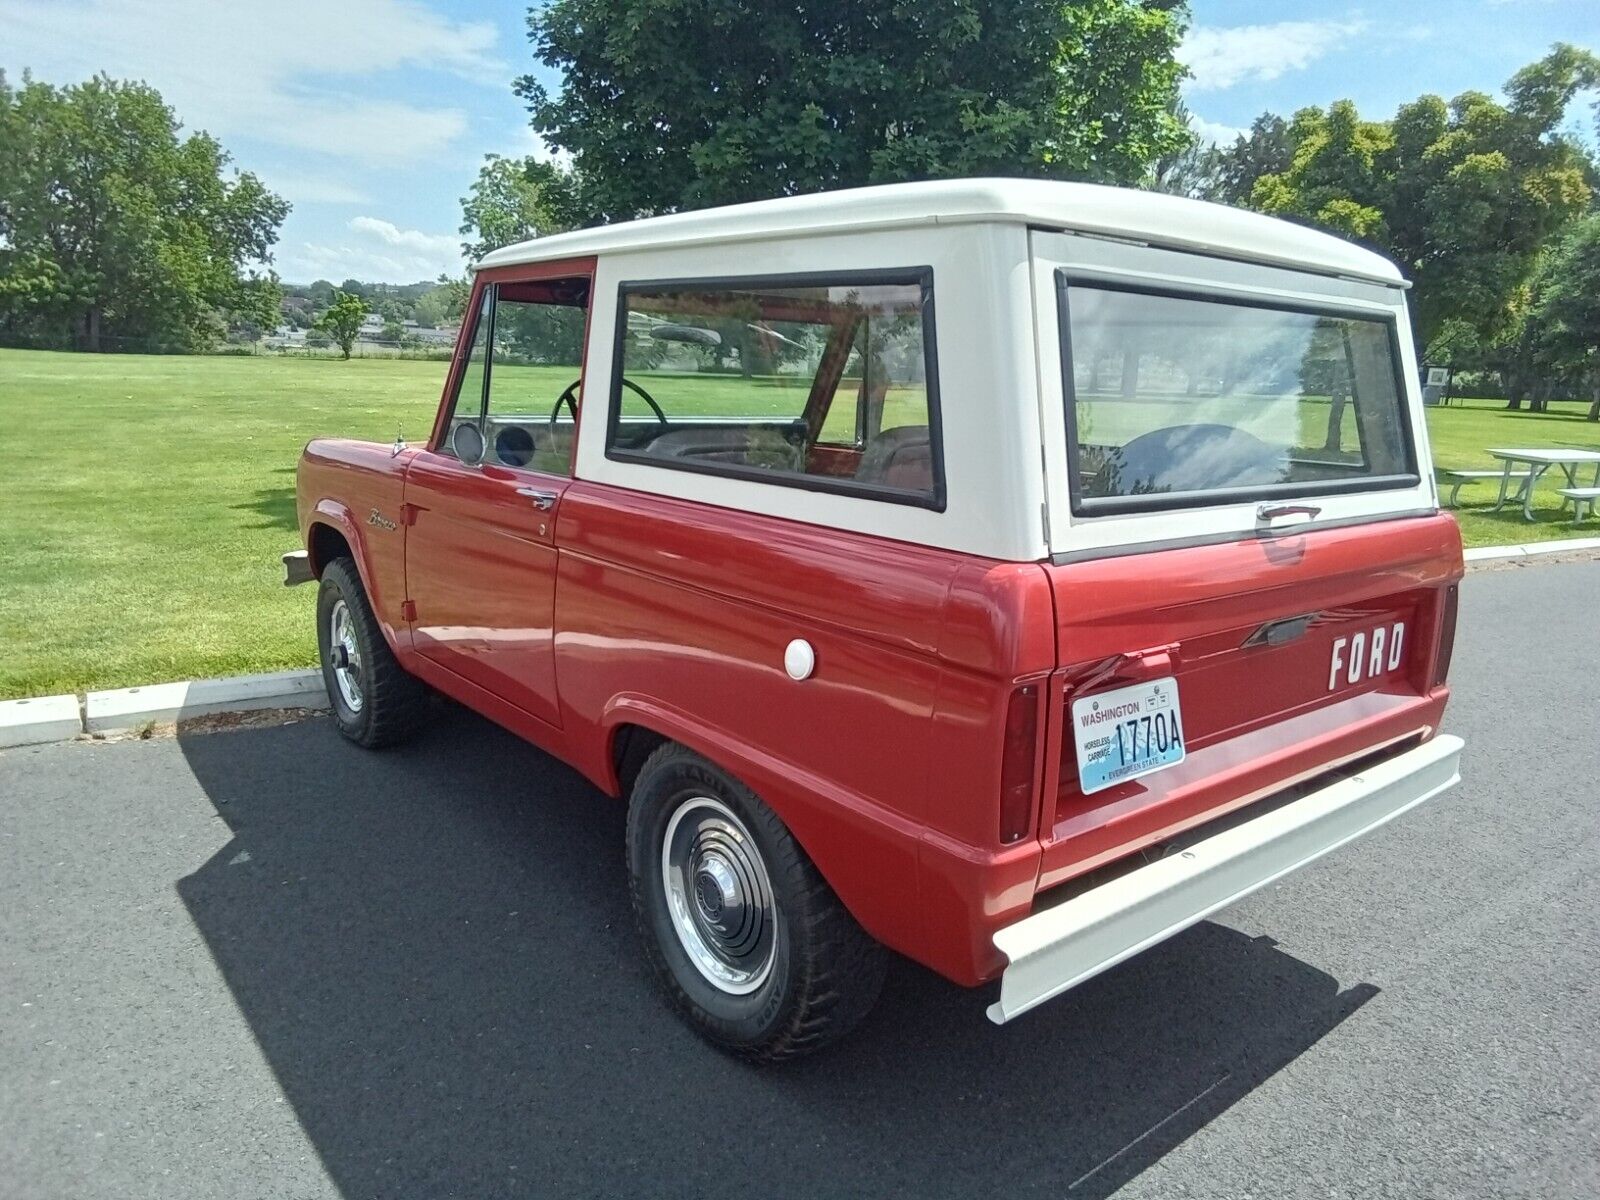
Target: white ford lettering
1353	661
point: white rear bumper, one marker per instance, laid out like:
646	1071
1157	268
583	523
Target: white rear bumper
1062	946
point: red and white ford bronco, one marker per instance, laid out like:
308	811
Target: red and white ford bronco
1008	574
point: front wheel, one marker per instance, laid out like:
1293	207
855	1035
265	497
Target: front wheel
375	701
750	943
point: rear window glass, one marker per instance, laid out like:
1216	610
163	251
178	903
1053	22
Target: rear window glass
825	383
1183	400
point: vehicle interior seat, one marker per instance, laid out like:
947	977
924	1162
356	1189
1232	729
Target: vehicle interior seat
899	458
749	446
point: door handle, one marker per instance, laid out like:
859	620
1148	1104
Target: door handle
542	500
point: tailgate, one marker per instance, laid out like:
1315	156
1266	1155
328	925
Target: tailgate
1291	656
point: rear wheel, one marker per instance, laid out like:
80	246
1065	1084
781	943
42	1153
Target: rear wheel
375	701
750	943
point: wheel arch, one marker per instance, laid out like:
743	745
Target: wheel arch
331	532
331	526
866	854
324	543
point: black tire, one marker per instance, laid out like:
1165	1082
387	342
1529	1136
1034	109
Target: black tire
392	703
825	971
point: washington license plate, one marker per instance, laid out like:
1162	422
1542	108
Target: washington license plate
1126	733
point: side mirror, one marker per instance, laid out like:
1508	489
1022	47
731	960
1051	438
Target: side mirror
466	439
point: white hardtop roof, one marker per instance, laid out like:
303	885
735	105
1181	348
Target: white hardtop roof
1161	220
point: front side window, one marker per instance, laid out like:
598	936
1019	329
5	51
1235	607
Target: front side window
827	384
522	381
1182	400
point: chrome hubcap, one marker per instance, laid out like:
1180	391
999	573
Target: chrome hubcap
719	896
345	655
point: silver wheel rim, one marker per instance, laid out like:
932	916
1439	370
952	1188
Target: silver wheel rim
346	655
719	896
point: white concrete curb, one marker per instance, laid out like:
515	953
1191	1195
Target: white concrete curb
42	719
1485	553
39	719
128	708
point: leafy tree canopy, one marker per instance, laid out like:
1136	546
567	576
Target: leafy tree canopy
514	199
1564	320
342	321
113	225
1267	149
1462	194
676	104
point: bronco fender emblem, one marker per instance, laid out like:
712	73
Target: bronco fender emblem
381	521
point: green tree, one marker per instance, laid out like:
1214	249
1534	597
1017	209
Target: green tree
514	199
1564	320
437	306
677	104
1266	149
1337	175
1192	169
342	321
111	225
1462	194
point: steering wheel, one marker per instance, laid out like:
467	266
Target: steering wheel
569	397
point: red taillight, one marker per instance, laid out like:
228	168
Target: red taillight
1447	636
1016	764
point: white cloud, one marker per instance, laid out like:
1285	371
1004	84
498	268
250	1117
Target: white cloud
377	250
1221	58
294	73
413	240
1215	133
528	144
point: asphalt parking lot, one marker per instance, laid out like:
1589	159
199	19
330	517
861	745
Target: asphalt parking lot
263	963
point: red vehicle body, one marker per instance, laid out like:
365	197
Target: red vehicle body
927	765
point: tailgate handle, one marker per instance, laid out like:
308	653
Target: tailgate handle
1268	513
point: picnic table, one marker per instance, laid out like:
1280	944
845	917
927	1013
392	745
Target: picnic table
1537	463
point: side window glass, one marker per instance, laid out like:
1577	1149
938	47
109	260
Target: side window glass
535	374
826	381
528	350
468	402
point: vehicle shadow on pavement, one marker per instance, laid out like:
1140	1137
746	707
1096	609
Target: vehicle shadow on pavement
434	950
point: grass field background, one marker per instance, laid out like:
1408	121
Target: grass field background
149	498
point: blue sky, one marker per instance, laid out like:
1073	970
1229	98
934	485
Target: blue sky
371	116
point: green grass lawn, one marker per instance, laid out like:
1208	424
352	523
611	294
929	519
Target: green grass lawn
1462	434
149	499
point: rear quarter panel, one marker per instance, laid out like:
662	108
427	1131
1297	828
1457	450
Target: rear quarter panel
674	616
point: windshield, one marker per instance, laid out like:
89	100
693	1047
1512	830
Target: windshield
1182	400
